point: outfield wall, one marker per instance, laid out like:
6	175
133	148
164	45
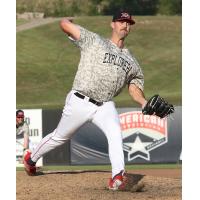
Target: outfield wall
146	139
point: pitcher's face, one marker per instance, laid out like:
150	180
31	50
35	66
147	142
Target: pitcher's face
121	28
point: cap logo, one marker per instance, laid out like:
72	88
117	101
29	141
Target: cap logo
126	15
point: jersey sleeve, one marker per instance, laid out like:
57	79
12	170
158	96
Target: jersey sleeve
137	77
87	38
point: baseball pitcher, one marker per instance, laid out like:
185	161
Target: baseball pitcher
106	66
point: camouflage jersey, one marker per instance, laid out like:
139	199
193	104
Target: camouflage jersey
21	131
104	68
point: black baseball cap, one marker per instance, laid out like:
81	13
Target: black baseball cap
123	16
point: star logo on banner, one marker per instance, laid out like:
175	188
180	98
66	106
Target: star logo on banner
137	149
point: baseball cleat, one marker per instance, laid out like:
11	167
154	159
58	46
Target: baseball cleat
30	169
117	183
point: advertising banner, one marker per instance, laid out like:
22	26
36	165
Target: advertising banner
33	118
142	133
146	139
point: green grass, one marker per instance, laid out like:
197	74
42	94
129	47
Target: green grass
108	167
47	61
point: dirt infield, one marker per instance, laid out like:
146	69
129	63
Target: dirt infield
160	184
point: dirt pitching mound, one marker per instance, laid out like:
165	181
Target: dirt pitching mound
92	185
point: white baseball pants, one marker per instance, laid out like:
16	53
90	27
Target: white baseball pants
78	111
